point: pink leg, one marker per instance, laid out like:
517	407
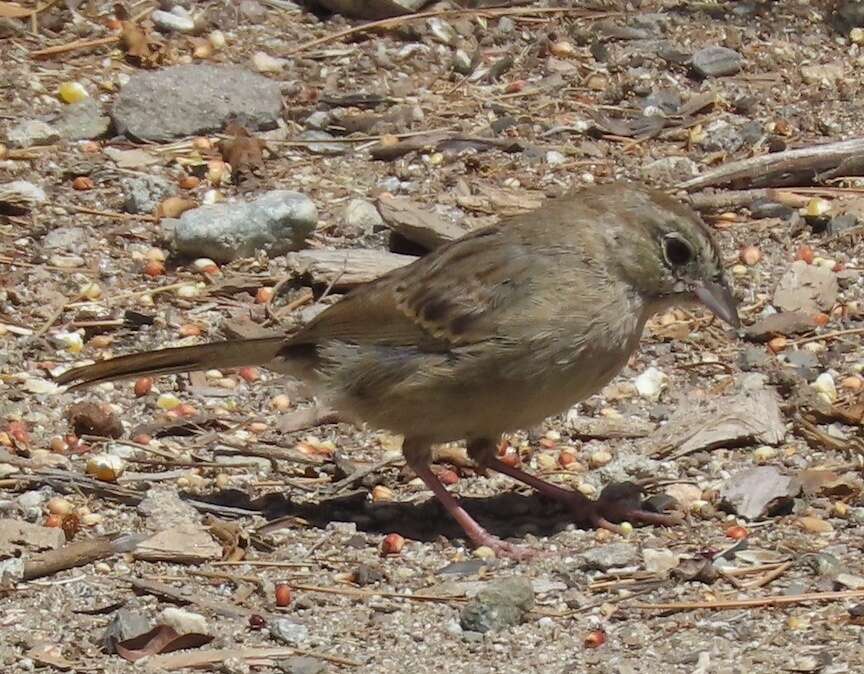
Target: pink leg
614	505
475	532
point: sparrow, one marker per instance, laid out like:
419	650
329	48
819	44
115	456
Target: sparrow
490	333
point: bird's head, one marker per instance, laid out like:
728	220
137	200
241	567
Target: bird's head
665	251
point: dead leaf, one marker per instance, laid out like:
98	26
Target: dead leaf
131	159
243	151
758	492
820	482
417	223
94	419
134	40
161	639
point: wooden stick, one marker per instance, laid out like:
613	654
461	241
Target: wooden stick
113	214
771	168
364	594
827	335
74	46
752	603
75	554
769	577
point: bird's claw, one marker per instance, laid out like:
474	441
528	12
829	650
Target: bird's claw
618	503
505	550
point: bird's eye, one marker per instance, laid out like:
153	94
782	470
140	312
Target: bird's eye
677	251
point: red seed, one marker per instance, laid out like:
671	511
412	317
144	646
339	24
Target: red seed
283	595
264	295
248	374
512	459
595	639
257	622
189	182
143	386
392	544
19	433
805	253
566	458
448	477
515	87
54	521
185	410
153	268
191	330
821	320
736	533
82	183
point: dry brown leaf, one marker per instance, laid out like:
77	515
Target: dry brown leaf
161	639
134	40
243	151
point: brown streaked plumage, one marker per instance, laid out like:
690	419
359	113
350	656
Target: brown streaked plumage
492	332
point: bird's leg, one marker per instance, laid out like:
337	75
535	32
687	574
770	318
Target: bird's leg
417	454
617	503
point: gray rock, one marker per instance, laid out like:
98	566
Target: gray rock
32	132
124	625
670	170
843	222
144	193
756	492
289	632
827	73
765	208
806	287
605	557
277	222
502	603
254	12
21	196
301	664
730	135
716	62
186	100
169	22
164	509
82	121
318	120
660	561
72	239
628	465
322	143
362	215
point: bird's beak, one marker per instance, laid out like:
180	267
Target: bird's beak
718	299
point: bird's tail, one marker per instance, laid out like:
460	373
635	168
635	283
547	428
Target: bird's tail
215	356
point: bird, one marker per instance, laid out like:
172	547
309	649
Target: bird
491	333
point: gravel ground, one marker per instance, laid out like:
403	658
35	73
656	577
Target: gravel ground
550	96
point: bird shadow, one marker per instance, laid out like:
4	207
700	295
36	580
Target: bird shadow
506	515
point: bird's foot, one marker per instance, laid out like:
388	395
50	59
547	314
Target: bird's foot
618	503
505	550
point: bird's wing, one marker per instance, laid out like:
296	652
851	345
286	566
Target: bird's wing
452	297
